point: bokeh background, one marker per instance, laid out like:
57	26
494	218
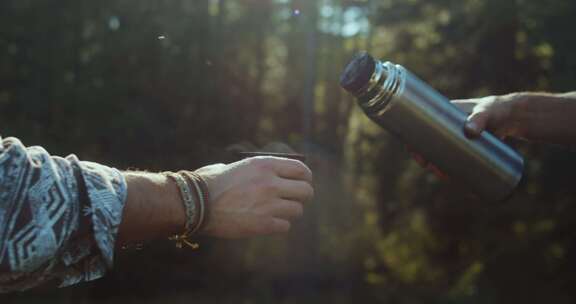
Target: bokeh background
164	85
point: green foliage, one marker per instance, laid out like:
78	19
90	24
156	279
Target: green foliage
172	84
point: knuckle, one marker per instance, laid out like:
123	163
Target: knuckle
302	172
260	175
306	173
262	163
298	210
269	224
478	113
256	188
310	191
299	163
266	188
254	161
270	188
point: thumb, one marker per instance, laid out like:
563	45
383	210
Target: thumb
465	105
476	123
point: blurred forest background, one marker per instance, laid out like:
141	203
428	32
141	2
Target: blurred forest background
162	85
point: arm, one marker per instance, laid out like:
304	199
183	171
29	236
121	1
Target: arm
256	196
542	117
153	208
60	218
533	116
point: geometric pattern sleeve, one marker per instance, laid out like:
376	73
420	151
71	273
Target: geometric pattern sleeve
59	217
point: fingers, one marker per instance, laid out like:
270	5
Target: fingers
296	190
478	119
267	225
280	225
284	209
258	196
476	123
232	225
487	113
291	169
275	225
253	225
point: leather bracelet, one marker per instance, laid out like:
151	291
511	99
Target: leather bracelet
188	200
207	201
203	197
198	195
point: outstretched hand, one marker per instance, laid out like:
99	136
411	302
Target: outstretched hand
494	113
256	196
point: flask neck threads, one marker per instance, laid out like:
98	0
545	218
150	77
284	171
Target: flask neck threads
387	81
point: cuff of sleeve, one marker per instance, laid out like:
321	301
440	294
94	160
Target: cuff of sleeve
107	190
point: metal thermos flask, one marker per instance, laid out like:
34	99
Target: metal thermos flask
430	124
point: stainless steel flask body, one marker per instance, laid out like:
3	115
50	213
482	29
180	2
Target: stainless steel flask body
427	121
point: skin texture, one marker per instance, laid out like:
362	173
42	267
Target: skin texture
252	197
542	117
538	117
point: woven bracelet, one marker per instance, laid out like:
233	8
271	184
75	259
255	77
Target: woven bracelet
191	212
203	198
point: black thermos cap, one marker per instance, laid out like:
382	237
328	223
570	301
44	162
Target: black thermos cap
358	72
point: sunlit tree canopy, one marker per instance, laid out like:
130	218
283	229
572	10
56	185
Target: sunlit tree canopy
161	85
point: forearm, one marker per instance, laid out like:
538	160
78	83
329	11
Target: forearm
546	117
59	217
153	208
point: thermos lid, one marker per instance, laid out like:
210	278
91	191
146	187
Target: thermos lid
358	72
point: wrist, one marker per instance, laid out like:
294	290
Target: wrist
153	208
174	207
520	112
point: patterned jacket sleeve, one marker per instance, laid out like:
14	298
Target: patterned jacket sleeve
58	217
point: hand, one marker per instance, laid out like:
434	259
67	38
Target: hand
494	113
256	196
